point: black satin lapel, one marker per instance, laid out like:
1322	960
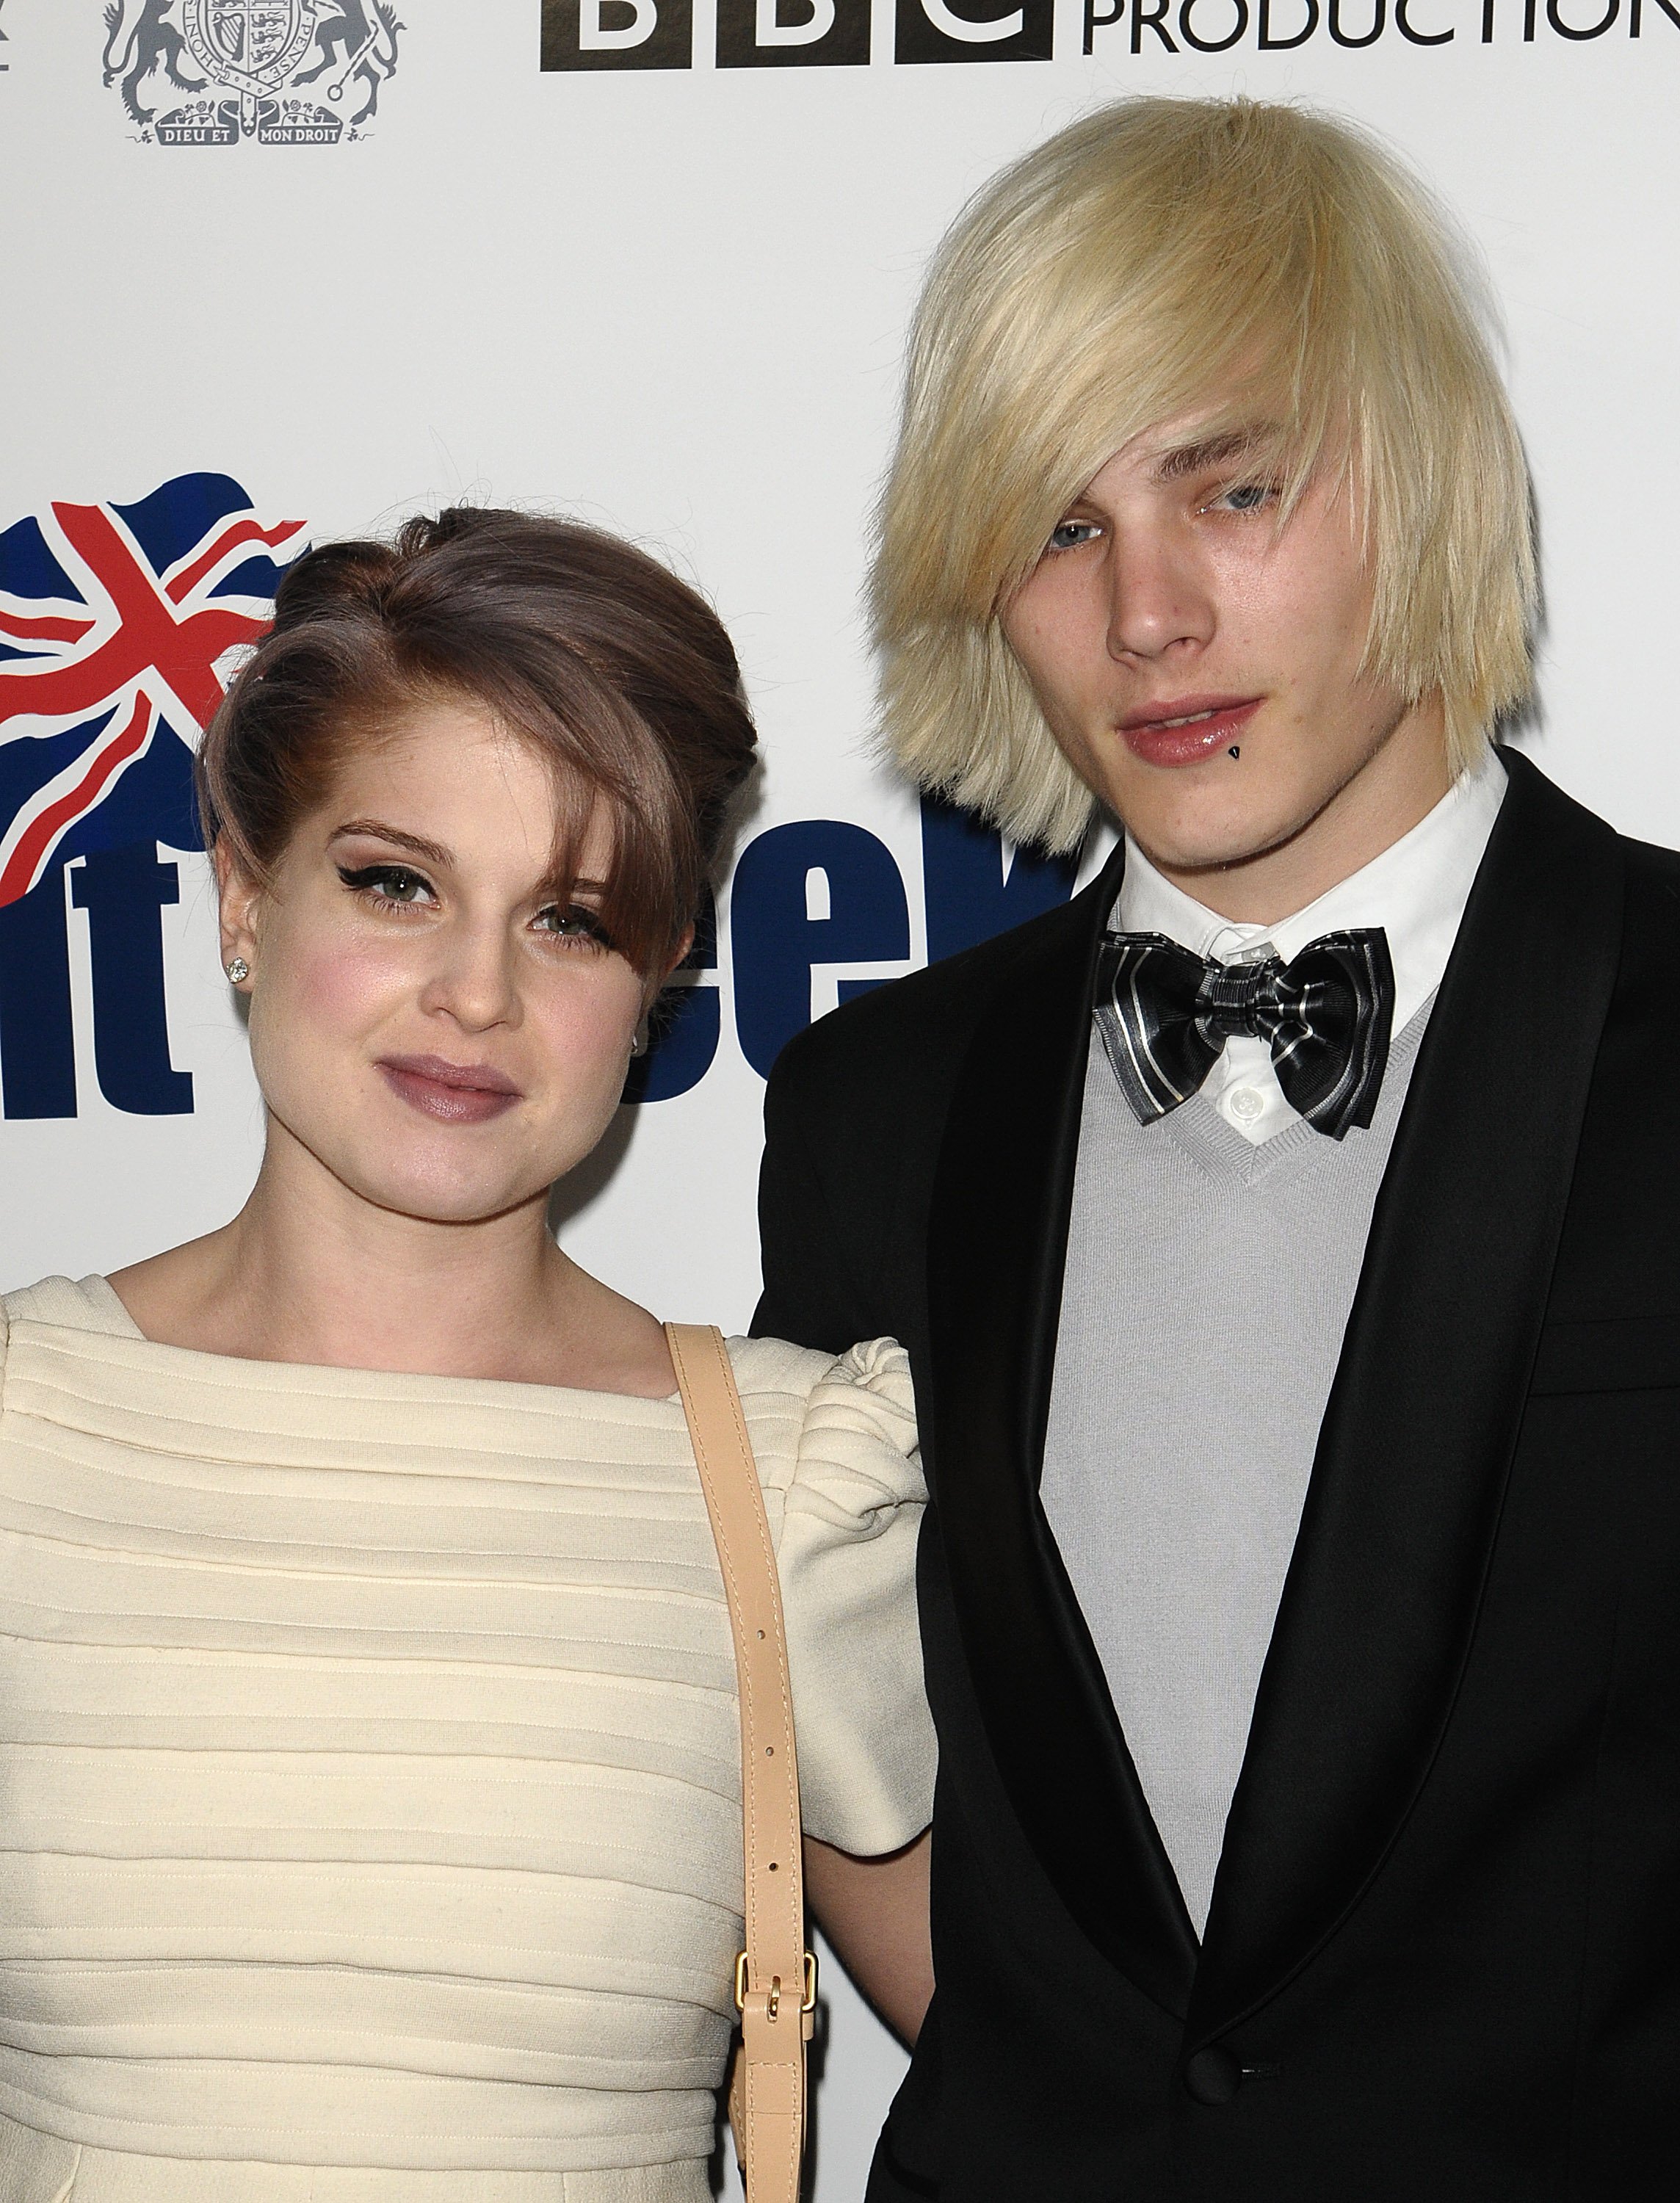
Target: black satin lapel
1396	1539
997	1249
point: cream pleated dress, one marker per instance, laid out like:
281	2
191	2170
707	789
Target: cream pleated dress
369	1772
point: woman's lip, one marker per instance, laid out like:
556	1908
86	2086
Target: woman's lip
1202	729
453	1092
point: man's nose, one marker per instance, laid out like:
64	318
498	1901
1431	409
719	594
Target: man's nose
1159	600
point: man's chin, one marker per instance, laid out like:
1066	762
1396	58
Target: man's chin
1207	817
1209	846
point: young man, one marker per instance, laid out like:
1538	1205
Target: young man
1284	1231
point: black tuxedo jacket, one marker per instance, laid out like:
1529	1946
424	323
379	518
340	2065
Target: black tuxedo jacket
1443	1956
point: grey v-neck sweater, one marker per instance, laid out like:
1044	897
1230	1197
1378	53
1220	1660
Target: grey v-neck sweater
1207	1290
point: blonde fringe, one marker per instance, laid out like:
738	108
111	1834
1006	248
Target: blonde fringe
1270	264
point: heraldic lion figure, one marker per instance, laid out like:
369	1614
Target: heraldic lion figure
142	42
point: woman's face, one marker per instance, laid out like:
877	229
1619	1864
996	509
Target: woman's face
428	1021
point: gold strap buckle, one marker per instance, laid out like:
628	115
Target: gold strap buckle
808	2002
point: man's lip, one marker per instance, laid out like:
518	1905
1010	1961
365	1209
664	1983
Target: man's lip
1163	716
464	1077
1172	735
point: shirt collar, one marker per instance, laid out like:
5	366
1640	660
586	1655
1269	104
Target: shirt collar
1416	890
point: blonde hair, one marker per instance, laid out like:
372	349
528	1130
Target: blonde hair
1160	255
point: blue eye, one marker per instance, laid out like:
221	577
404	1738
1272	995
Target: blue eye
1247	496
1069	534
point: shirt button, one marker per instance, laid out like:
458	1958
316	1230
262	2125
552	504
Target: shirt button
1246	1103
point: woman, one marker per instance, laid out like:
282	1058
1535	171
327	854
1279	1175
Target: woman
371	1803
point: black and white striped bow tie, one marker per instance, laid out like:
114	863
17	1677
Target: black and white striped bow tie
1165	1014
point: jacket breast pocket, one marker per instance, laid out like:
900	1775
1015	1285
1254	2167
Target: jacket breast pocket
1611	1354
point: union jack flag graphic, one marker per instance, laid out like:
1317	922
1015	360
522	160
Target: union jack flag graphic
113	621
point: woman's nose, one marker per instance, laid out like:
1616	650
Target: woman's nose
473	980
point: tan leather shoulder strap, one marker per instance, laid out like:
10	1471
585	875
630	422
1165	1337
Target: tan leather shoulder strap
775	1978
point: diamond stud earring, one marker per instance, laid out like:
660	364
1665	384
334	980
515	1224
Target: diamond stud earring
238	970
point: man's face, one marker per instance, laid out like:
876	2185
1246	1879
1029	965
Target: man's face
1201	669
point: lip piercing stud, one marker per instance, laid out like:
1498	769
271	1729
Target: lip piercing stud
1234	751
238	970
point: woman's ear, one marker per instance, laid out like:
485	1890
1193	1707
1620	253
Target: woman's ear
238	895
661	972
678	954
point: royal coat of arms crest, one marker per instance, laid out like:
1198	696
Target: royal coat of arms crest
282	72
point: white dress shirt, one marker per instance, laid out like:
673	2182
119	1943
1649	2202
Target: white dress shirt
1416	891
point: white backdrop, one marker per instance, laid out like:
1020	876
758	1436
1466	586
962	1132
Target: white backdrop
672	298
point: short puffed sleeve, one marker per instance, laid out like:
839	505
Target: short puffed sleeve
846	1554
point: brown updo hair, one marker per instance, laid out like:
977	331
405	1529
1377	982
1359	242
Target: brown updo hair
614	670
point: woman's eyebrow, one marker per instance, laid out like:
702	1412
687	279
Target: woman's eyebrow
563	883
376	830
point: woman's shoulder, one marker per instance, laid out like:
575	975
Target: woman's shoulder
844	1421
772	1366
71	1304
66	1303
867	1387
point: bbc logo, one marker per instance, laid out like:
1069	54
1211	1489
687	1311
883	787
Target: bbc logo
659	34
